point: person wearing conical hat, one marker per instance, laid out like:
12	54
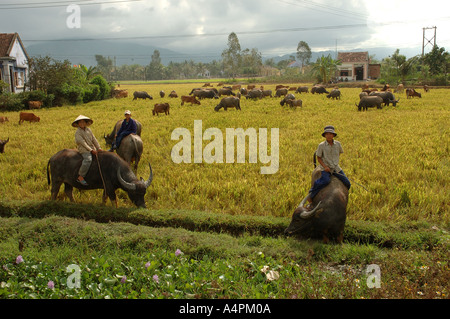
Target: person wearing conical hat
87	145
128	127
328	153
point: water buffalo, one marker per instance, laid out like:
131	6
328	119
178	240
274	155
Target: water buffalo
334	94
2	145
110	137
141	95
254	94
327	219
369	101
301	89
289	96
319	90
131	149
114	173
294	103
387	96
281	92
226	102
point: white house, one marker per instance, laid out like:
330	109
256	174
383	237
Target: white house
14	69
356	66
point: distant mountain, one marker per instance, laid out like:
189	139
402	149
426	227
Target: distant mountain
84	51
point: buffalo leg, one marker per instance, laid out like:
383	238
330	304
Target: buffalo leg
325	236
68	191
55	189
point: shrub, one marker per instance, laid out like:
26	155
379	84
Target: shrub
103	86
91	93
11	102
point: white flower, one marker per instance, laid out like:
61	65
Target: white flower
272	275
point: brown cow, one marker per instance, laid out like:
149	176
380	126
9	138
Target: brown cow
162	93
280	86
173	94
34	104
250	87
386	87
3	119
426	88
30	117
412	93
189	99
161	108
400	88
119	94
236	87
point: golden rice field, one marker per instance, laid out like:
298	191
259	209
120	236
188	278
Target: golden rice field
399	154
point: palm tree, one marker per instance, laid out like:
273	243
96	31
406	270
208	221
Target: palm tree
325	68
90	72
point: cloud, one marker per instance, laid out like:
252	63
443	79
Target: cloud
203	26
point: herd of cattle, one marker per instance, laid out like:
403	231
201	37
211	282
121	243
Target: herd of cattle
368	98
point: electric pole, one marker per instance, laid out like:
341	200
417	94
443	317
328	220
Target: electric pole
433	38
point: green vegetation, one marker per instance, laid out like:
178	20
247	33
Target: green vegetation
228	219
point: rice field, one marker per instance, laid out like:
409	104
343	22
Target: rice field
396	157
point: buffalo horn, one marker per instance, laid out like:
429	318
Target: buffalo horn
149	181
127	186
309	213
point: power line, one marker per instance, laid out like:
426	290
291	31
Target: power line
16	6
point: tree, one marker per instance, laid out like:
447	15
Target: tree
104	66
325	68
437	60
90	72
155	69
232	55
303	52
251	61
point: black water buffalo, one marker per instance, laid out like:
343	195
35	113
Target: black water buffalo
301	89
131	149
141	95
2	145
114	173
327	219
206	94
289	96
226	91
110	137
281	92
387	96
254	94
230	101
319	90
369	101
334	94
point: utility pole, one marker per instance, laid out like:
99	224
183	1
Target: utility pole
433	38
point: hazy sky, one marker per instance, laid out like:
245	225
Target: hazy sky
274	27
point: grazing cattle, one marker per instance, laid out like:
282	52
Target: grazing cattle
281	92
119	94
267	93
206	94
327	219
34	104
369	101
386	87
3	119
227	102
400	88
243	91
387	96
301	89
226	91
365	87
412	93
426	88
207	84
334	94
114	173
254	94
292	88
236	87
289	96
363	93
189	99
161	108
110	138
162	93
2	145
250	87
319	90
280	86
30	117
141	95
294	103
173	94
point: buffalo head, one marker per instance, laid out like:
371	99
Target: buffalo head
136	190
2	145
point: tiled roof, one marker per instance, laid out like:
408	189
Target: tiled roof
6	39
353	56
